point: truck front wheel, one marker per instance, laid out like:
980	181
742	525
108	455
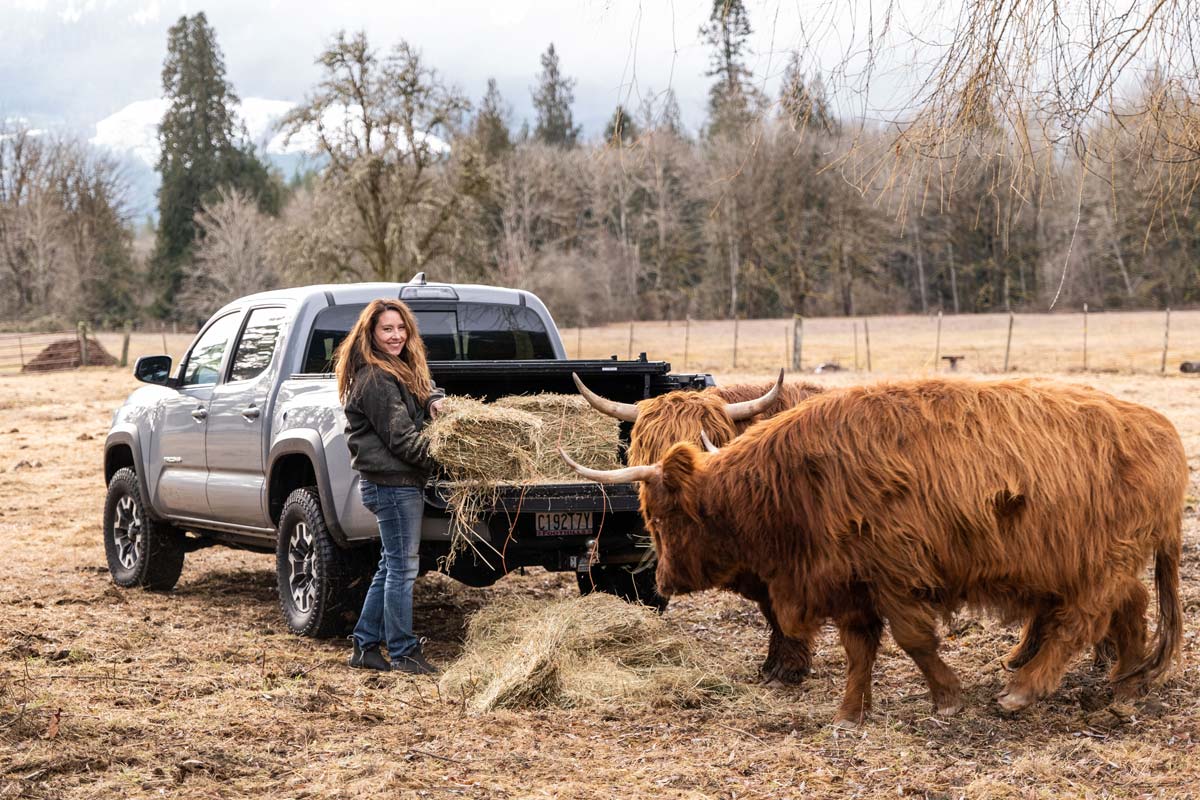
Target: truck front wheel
321	586
631	582
141	551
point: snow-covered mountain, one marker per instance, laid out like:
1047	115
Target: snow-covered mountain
131	134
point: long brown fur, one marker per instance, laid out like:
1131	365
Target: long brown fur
1035	500
680	417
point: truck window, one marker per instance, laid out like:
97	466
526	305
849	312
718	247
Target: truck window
461	332
204	360
257	345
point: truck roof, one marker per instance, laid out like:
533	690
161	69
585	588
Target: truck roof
417	288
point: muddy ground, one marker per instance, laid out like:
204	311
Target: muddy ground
201	692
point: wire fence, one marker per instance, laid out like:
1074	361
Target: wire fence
1083	341
1134	341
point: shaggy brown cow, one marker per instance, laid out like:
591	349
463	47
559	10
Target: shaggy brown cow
723	412
906	501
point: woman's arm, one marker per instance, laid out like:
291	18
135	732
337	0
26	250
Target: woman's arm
383	405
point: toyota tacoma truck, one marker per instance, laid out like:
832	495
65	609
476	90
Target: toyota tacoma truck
243	444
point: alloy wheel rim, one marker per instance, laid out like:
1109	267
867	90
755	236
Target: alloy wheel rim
301	566
128	532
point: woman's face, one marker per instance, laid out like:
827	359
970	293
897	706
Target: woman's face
390	333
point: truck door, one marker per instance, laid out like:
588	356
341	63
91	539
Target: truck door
238	422
178	447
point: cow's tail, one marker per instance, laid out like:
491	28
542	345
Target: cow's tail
1168	636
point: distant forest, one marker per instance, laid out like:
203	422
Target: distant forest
776	206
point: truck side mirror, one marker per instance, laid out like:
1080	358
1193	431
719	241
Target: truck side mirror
153	369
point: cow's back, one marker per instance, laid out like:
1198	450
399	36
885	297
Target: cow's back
957	490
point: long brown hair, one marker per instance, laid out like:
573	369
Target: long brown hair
358	350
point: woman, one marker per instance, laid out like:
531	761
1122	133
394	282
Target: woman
385	387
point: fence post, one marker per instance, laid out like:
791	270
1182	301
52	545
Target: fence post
687	332
1166	339
579	340
937	344
735	338
162	329
1085	321
1008	343
125	344
629	357
867	337
797	341
787	346
81	334
856	345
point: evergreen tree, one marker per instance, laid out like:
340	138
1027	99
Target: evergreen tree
490	126
732	100
621	129
552	99
201	149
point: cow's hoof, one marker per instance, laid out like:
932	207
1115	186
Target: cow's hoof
775	673
843	724
948	708
1013	701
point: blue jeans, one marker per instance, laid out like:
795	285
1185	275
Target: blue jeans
387	613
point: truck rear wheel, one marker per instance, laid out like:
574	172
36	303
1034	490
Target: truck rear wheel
141	551
321	586
631	582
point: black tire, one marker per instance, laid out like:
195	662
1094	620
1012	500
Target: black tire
633	583
141	551
321	586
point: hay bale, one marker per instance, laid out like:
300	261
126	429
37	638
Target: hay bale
478	442
591	651
569	421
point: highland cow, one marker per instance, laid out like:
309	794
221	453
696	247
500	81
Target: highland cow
907	501
723	412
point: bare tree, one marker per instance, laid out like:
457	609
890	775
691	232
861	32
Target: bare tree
384	124
232	257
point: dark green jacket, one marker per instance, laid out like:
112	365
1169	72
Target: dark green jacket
383	426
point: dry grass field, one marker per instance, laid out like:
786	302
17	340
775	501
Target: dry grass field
201	692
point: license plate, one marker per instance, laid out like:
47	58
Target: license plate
563	523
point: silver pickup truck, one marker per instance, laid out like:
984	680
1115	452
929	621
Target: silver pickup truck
243	445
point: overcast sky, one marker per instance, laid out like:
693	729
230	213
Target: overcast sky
77	61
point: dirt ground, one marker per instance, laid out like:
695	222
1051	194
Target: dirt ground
201	692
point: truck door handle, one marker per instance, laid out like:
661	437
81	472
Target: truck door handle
200	414
251	413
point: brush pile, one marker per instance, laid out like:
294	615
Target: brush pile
592	651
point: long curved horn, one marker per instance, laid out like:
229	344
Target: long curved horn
707	442
625	475
626	412
748	408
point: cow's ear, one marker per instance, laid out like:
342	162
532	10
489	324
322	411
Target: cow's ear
679	467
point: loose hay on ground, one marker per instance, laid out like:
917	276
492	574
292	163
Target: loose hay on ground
592	651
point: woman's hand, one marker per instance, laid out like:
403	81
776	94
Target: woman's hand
435	407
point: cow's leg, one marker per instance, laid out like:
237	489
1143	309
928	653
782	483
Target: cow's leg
1127	637
1066	631
860	631
1106	650
915	630
1031	640
789	658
